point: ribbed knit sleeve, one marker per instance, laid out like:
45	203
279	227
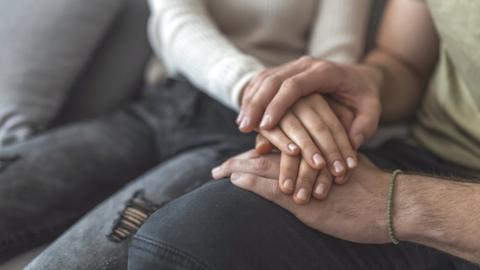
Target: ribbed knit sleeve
338	33
188	41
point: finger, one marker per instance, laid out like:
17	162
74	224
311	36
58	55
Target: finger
322	137
263	166
254	87
338	133
340	180
322	185
278	138
294	129
322	77
250	90
246	155
344	114
365	122
217	171
305	180
264	187
254	84
262	145
288	172
268	88
254	109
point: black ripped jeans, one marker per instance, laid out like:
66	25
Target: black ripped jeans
148	153
220	226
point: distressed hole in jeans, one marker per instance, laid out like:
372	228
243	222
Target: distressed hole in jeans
5	161
136	211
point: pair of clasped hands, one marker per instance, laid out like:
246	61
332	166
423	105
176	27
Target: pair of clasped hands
309	112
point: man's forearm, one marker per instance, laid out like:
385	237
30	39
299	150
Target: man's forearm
399	85
439	213
406	54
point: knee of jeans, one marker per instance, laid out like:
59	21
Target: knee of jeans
213	204
207	223
136	211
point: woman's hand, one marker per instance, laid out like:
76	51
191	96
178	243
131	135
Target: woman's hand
314	127
318	126
272	94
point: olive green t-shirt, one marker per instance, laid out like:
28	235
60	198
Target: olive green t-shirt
448	122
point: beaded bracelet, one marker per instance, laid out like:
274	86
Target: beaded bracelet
391	190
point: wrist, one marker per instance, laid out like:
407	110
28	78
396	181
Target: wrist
420	213
376	74
408	210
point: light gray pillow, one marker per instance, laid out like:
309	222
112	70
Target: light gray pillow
114	76
44	46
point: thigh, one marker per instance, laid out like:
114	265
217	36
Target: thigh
185	118
48	182
101	238
222	227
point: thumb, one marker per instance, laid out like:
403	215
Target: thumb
364	125
262	145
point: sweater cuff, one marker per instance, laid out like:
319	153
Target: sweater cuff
238	87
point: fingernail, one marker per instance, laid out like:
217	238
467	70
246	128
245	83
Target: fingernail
358	140
288	184
245	122
302	194
338	166
320	189
239	117
318	160
234	176
292	147
216	171
265	121
351	163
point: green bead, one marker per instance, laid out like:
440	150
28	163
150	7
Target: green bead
391	190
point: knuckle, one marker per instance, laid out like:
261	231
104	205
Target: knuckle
293	84
319	127
272	81
263	73
248	180
305	60
254	104
262	165
324	66
228	164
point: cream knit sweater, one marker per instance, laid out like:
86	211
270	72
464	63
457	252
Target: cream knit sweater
219	45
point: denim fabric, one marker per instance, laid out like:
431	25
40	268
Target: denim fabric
59	176
220	226
86	245
49	182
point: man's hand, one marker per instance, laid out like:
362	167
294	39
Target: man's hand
427	210
272	93
309	181
355	211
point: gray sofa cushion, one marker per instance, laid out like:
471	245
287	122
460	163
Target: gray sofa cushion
45	45
114	75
